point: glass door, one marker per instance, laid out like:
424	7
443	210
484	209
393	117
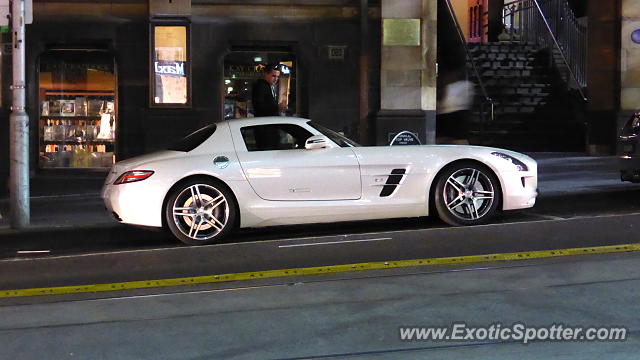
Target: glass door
243	68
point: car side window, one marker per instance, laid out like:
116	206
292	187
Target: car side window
274	137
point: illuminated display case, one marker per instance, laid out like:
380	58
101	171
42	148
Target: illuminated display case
77	122
170	80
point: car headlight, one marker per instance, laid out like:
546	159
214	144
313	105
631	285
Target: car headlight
519	164
633	125
133	176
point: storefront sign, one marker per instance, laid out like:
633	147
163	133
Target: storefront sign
401	32
337	52
249	71
170	80
404	138
175	68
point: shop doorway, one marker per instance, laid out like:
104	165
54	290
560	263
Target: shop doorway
243	68
78	109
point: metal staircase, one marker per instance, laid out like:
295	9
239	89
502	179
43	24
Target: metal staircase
533	81
533	108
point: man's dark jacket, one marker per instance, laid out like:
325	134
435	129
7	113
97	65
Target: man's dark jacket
264	104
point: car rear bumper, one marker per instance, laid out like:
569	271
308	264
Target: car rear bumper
133	203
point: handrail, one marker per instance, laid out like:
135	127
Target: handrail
564	57
463	40
550	23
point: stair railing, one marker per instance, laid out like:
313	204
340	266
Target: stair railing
550	23
487	99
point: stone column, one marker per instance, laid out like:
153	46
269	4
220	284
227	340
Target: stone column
630	56
629	62
603	79
407	70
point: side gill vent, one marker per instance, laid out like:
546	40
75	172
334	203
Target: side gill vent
392	182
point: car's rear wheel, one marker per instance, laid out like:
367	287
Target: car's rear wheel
200	211
467	194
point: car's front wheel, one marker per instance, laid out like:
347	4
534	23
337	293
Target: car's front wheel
467	194
200	211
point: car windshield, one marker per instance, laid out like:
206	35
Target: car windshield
194	139
336	137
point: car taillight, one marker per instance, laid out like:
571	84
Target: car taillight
133	176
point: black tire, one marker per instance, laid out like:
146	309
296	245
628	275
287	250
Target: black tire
467	193
200	212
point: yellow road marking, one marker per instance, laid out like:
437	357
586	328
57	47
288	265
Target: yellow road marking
329	269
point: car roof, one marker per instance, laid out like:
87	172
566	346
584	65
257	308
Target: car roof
267	120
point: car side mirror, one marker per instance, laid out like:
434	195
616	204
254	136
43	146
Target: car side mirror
317	142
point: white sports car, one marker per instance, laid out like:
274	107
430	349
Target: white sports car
280	171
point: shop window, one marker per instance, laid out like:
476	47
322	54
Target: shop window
170	65
274	137
78	109
243	68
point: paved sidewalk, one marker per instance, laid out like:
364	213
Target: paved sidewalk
61	201
73	200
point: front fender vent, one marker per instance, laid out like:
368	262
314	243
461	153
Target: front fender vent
392	182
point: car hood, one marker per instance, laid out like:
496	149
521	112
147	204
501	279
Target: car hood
444	150
431	155
138	162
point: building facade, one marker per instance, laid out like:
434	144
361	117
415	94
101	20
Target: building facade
112	79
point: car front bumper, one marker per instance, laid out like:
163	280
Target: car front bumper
629	168
629	161
520	189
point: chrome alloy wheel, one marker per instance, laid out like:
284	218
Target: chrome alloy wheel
200	212
468	194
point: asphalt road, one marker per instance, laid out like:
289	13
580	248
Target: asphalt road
350	315
562	201
346	316
572	191
570	188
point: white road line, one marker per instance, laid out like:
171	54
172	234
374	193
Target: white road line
549	217
91	194
188	248
333	242
33	251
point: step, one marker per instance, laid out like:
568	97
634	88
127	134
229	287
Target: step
496	82
501	100
506	56
523	109
533	85
506	73
504	45
505	64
